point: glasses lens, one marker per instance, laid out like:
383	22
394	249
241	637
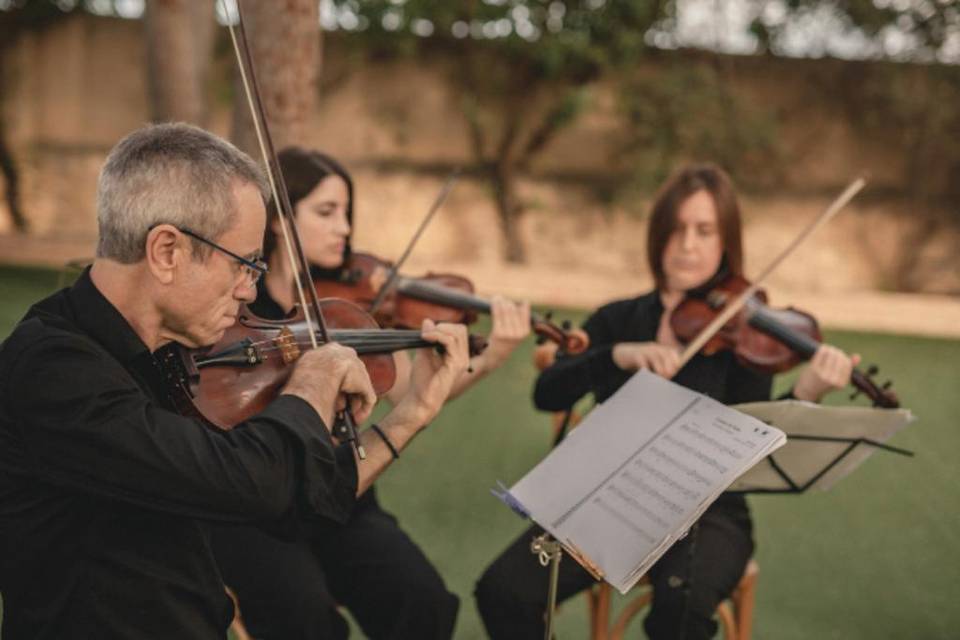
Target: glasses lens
254	272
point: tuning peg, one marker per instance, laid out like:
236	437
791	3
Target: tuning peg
548	316
540	340
567	325
872	370
886	385
853	396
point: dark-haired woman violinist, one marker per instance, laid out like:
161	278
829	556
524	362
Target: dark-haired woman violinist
291	589
694	231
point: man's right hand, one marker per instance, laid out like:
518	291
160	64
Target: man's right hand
329	376
661	359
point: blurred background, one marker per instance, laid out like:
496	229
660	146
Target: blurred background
564	116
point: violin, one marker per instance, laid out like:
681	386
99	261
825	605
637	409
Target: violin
441	297
763	339
240	375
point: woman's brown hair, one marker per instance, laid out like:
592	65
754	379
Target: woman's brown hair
303	170
663	219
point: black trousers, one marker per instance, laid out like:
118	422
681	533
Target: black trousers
688	582
290	590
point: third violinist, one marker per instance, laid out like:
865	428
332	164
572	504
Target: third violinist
370	565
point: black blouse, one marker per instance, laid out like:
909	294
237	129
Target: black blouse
719	376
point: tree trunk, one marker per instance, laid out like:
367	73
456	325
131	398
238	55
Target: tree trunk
179	50
509	210
284	42
9	169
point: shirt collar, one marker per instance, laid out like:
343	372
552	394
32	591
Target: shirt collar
102	321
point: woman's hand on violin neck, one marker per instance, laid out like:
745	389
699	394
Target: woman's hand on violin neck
511	325
432	375
328	378
664	360
829	369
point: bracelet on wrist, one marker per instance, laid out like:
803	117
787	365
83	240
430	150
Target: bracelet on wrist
393	450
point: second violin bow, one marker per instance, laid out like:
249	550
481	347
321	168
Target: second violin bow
395	269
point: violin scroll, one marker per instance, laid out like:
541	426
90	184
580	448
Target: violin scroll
881	396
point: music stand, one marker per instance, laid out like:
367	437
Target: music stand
824	444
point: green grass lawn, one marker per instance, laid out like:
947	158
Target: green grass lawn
877	557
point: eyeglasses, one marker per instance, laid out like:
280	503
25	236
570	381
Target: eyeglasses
253	269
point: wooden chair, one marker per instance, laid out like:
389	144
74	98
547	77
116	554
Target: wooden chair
736	615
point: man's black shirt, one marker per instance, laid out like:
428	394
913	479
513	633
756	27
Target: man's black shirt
104	490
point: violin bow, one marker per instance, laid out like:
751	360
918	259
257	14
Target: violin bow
731	309
395	269
281	198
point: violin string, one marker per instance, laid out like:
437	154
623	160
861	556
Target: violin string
362	345
344	336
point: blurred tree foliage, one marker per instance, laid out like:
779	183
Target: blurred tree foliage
685	108
906	30
520	70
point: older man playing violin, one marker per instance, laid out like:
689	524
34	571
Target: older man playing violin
106	490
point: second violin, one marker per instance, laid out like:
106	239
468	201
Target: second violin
441	297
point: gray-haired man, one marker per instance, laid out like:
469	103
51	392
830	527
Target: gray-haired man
104	489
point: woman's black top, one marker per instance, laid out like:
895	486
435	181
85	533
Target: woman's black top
570	378
719	376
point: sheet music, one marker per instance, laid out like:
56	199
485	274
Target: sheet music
639	470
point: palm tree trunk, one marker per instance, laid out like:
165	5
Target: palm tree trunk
284	43
9	169
179	40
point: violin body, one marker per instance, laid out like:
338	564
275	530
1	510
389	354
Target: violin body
763	339
753	347
241	374
364	276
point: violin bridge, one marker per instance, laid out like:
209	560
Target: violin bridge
287	343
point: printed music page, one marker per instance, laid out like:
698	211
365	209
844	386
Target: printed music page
638	472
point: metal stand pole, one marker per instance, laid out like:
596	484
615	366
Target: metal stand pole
549	552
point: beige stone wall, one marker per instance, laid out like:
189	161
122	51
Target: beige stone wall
78	87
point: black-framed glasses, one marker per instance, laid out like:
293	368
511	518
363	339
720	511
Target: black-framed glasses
253	269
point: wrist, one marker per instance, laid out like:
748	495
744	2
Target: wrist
481	364
616	354
323	409
405	421
804	392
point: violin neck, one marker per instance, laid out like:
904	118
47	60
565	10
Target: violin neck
439	294
448	297
371	341
766	322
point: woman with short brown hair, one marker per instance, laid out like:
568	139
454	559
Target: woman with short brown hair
694	236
